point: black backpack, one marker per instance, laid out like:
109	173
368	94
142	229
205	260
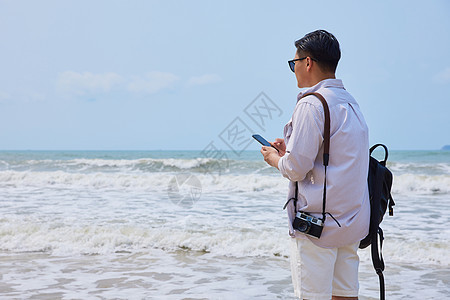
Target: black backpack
380	182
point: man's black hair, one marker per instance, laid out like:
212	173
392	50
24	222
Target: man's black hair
321	46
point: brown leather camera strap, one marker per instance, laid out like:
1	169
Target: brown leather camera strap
326	150
326	155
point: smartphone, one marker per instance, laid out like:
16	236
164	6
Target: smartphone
262	141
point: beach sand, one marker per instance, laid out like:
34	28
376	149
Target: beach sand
185	275
154	275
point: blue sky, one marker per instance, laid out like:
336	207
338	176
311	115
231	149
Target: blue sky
149	75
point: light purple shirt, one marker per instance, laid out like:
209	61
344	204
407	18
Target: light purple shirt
347	190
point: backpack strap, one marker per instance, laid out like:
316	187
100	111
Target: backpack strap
378	261
386	153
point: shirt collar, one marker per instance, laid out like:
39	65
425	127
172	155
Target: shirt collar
326	83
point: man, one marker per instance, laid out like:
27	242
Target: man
326	267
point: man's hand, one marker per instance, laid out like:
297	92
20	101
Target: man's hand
280	145
271	156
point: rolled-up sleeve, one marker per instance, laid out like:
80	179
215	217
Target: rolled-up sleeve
304	142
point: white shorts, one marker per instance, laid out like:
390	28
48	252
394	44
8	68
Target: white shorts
318	273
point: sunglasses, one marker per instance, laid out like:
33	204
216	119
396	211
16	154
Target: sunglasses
292	62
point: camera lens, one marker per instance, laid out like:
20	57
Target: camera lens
303	226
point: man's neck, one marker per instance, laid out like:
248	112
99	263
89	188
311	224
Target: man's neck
322	76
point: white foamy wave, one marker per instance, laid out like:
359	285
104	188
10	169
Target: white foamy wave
18	235
409	184
132	163
413	251
73	180
117	165
150	181
419	168
245	183
406	184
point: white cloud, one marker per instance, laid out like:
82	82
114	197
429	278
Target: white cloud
86	82
443	76
203	79
152	82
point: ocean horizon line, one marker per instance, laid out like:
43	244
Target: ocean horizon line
168	150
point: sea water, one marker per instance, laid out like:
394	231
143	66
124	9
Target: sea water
177	224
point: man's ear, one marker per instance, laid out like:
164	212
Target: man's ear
308	63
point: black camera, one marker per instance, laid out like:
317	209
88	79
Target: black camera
308	224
